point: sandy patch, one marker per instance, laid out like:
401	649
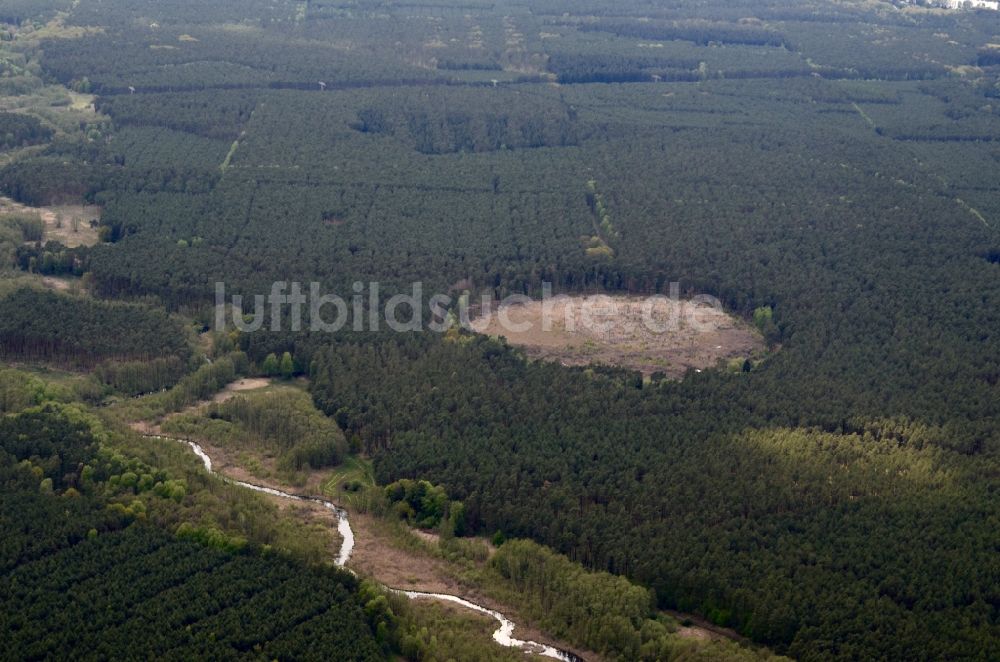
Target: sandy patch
427	536
699	628
239	386
145	427
80	101
699	634
57	284
649	335
68	224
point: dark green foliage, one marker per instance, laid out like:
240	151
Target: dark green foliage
207	114
46	326
837	500
14	231
698	32
45	181
425	505
158	596
139	377
68	547
57	444
662	485
37	526
215	58
17	130
16	11
53	259
453	121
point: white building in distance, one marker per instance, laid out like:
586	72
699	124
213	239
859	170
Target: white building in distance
959	4
973	4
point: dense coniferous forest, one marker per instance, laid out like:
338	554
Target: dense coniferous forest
44	325
832	163
92	530
69	545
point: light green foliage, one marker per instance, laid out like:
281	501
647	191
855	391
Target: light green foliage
29	227
596	610
270	367
599	245
763	319
353	483
430	631
287	367
425	505
211	537
763	316
202	384
19	390
281	422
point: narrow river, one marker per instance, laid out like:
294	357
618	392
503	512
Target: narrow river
504	635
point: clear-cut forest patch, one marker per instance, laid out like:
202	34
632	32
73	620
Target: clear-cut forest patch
656	335
70	225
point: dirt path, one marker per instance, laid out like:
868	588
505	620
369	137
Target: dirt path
702	629
237	387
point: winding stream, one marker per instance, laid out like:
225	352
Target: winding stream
504	635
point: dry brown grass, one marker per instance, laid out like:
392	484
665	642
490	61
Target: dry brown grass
606	330
67	224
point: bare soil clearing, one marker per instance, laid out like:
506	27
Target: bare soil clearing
377	554
650	335
67	224
57	284
701	629
239	386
